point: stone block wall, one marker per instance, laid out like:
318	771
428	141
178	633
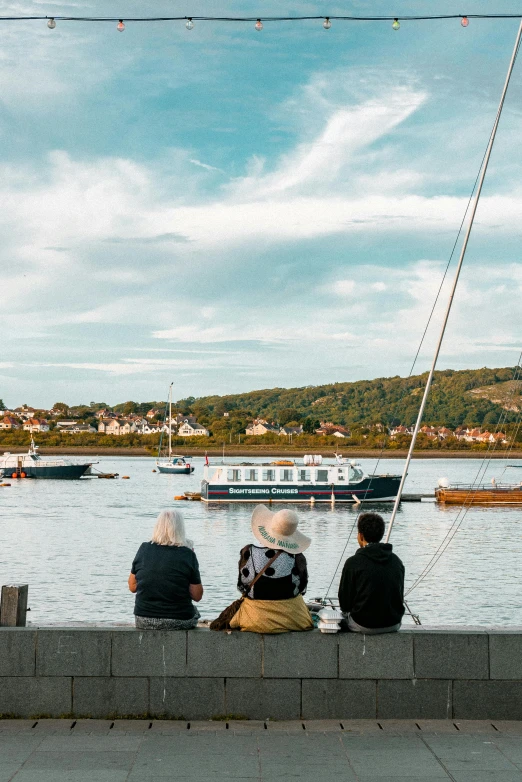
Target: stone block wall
120	672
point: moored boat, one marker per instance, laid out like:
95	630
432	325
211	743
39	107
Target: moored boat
173	464
32	465
469	494
311	481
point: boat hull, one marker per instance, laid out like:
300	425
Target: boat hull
57	472
185	469
498	496
372	489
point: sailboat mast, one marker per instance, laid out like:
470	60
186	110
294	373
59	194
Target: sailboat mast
455	282
170	421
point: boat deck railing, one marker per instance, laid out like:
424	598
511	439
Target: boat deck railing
481	487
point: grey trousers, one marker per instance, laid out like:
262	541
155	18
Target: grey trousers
356	628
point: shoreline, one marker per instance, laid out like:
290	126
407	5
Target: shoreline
355	453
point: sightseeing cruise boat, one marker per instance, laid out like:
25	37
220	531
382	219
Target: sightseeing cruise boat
288	481
32	465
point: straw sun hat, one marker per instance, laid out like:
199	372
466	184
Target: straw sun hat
278	530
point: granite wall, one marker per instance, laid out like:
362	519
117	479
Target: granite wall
110	672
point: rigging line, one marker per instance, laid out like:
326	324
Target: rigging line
455	283
461	515
416	354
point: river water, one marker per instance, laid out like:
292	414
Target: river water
73	542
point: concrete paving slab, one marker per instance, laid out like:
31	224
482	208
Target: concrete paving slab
88	742
168	726
508	726
400	727
15	726
49	726
486	776
70	776
323	726
436	727
80	761
362	727
214	726
474	727
96	727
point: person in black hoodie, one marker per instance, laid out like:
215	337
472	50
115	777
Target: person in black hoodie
371	592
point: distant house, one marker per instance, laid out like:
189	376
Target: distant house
260	426
328	429
401	430
76	428
291	430
443	432
36	425
188	429
429	431
9	422
116	426
153	413
65	424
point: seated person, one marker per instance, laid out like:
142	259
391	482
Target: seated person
274	603
371	592
165	577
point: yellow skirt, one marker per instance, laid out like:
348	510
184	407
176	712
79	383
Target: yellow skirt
272	616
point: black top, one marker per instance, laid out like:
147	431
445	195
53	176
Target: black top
285	579
372	586
163	574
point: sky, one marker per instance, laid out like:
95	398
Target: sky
231	210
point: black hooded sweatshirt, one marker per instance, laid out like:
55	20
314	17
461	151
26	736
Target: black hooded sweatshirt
372	586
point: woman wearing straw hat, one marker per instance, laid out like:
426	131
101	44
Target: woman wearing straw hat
273	575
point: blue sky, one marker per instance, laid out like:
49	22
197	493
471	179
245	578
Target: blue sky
231	209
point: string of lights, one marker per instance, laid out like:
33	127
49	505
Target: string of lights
258	21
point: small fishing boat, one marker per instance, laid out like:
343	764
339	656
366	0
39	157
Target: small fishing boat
286	481
173	464
483	494
32	465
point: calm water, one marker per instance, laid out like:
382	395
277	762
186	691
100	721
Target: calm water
73	543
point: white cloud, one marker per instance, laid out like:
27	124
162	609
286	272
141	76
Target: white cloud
205	165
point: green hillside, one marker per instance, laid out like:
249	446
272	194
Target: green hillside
464	397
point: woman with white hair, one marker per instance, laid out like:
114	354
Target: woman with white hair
165	578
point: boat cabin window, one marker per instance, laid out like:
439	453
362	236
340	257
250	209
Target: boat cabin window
304	475
216	476
287	475
233	475
341	475
322	476
250	475
269	475
356	475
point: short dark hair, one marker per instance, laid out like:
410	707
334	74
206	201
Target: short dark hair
371	527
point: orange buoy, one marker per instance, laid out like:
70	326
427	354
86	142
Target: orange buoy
154	471
125	477
180	497
13	475
5	484
23	475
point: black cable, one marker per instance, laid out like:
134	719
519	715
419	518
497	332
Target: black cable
433	17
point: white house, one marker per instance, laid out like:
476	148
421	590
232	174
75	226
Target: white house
36	425
188	429
116	426
77	428
291	430
259	426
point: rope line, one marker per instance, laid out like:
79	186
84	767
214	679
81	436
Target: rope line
462	513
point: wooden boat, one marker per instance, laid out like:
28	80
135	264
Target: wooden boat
462	494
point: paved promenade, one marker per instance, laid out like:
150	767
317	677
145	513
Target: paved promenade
364	750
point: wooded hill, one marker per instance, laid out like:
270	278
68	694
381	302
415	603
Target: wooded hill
465	397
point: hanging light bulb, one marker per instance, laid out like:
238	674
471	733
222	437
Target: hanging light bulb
258	25
51	24
464	21
190	24
327	24
120	26
396	24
